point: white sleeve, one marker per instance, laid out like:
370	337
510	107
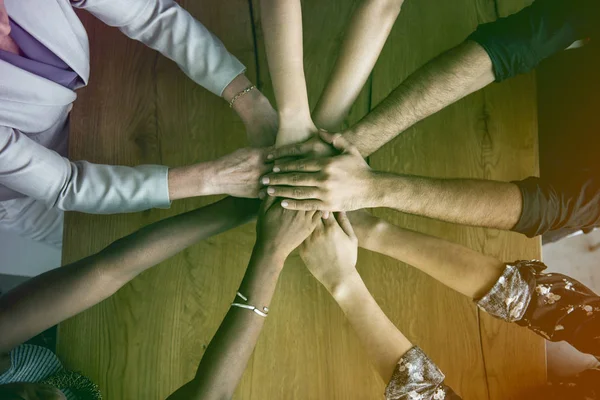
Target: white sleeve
166	27
30	168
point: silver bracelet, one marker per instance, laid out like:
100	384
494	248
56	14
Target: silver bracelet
263	313
251	308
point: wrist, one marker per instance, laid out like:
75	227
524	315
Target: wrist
190	181
346	287
238	84
247	105
377	189
268	254
295	117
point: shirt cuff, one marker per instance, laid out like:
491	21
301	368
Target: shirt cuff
157	193
509	298
416	377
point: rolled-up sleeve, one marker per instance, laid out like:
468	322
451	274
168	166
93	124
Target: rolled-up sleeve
554	306
518	43
570	205
416	377
35	171
166	27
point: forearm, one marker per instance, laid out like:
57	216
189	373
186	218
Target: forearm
227	355
365	36
57	295
473	202
444	80
282	26
460	268
384	343
255	111
127	257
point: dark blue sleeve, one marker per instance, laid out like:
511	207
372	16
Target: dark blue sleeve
518	43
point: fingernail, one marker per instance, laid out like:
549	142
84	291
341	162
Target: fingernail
265	180
325	214
270	190
284	203
269	156
276	169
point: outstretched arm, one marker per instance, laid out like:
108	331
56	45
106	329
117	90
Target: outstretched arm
57	295
496	51
444	80
279	232
365	36
441	82
346	182
458	267
330	254
282	26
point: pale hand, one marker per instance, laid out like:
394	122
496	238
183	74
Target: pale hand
237	174
293	130
315	147
280	231
330	253
340	183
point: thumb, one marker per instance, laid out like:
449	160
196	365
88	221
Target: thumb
338	141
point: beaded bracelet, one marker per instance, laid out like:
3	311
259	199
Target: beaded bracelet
240	94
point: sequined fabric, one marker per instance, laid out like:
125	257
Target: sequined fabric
510	296
554	306
416	377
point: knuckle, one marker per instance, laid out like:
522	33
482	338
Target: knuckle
297	192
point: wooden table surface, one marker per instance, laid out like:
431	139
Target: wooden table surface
147	339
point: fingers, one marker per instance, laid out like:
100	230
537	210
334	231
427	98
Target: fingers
292	150
317	216
326	136
306	205
297	193
291	179
305	165
267	203
329	222
338	141
345	224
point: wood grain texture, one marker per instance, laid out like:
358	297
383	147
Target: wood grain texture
147	340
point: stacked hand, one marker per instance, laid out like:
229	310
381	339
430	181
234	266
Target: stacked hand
237	174
280	231
340	183
330	252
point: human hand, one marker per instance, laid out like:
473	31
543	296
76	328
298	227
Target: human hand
294	129
315	147
255	111
280	231
340	183
236	174
331	251
260	120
